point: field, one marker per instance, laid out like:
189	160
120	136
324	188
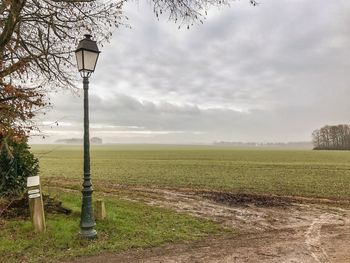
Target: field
321	174
192	204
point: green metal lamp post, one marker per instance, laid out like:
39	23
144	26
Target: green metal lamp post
87	54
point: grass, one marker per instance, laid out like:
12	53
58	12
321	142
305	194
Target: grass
306	173
128	225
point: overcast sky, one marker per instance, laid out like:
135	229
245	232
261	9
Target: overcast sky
271	73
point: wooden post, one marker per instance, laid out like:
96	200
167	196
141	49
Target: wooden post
36	205
100	210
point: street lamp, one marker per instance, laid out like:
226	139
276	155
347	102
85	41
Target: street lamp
87	54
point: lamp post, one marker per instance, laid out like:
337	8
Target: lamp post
87	54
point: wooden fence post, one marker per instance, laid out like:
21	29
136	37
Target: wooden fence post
100	210
36	204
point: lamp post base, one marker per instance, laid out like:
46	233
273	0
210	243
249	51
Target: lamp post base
88	233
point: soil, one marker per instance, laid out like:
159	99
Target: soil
19	208
231	199
270	228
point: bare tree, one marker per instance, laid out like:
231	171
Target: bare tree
332	137
36	43
316	139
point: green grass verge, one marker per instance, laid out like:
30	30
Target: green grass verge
323	174
128	225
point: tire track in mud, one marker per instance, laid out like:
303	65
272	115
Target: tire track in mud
313	236
312	239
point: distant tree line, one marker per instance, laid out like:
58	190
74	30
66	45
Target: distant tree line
290	145
332	137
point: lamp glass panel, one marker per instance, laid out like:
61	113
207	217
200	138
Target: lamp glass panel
79	57
90	59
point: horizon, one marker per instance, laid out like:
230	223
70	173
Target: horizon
215	143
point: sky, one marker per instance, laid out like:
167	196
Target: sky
271	73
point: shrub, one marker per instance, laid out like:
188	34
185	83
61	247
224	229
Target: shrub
16	164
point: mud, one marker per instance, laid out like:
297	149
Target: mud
247	216
243	199
285	246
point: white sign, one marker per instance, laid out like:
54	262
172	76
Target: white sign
33	181
34	191
34	196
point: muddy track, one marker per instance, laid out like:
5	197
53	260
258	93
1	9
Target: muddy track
271	229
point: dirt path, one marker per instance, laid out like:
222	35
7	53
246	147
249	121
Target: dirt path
271	247
271	229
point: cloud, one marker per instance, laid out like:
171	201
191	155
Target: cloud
267	73
120	117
